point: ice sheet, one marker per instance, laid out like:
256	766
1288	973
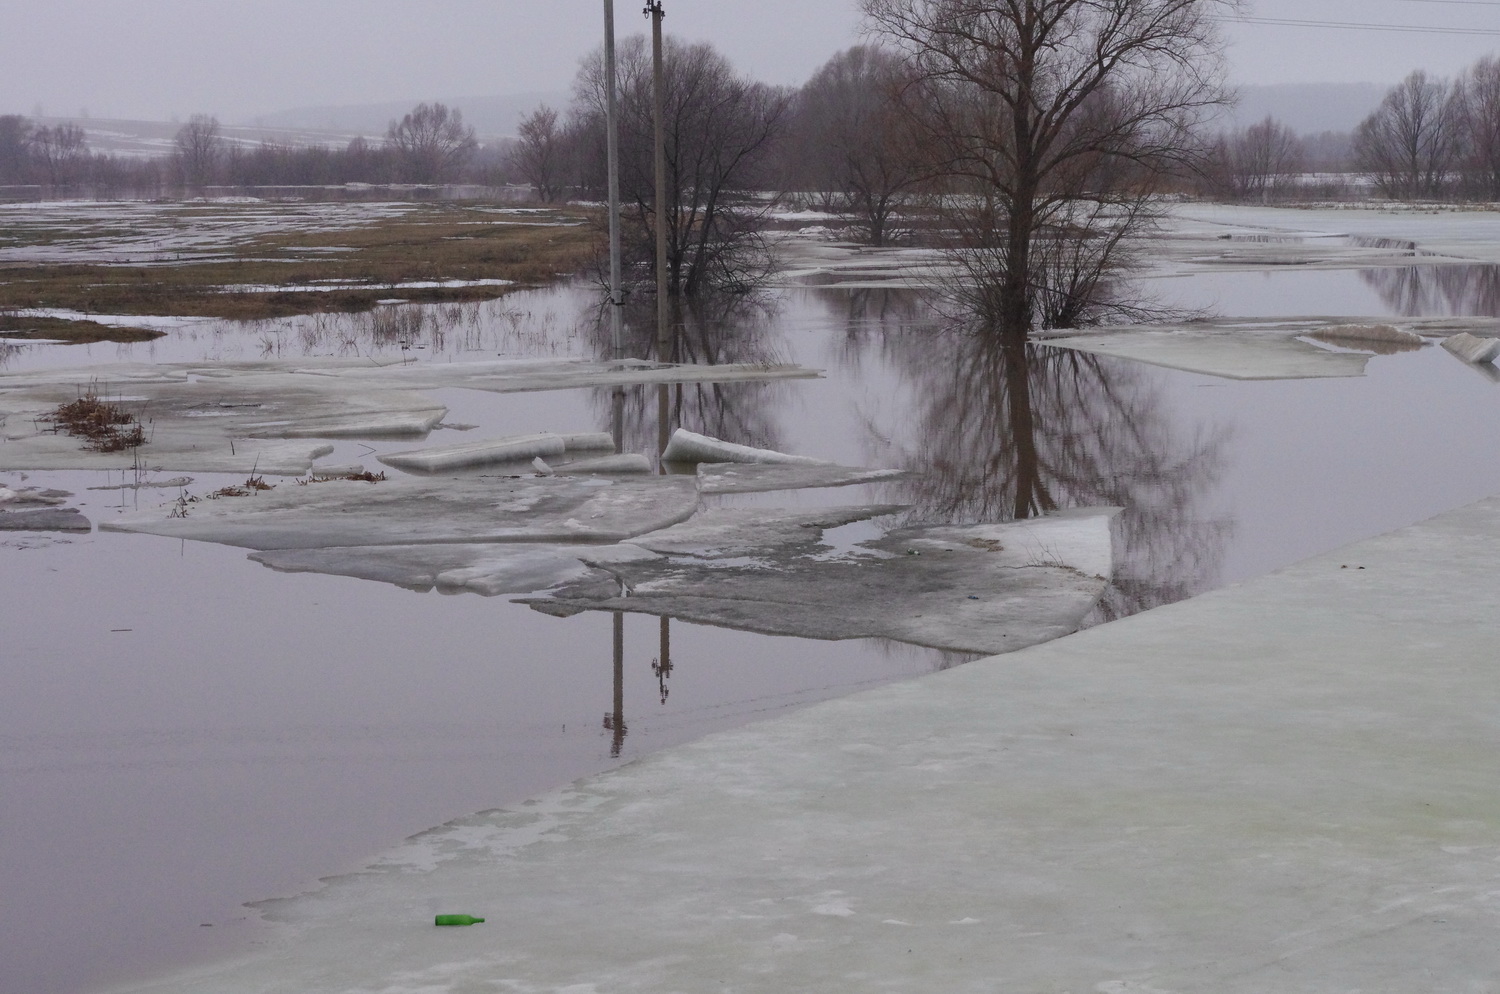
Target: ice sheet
1235	356
976	588
406	511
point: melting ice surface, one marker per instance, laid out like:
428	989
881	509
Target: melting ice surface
186	730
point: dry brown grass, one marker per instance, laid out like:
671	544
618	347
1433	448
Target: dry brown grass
428	243
104	427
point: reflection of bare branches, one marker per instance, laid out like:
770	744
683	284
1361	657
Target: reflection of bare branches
1012	431
708	330
1421	291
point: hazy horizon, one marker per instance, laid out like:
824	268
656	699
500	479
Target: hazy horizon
261	58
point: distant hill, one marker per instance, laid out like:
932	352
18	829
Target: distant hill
151	138
491	117
1309	108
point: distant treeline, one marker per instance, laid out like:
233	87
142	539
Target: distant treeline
430	145
1430	139
842	142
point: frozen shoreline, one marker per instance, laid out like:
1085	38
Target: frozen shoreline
1287	783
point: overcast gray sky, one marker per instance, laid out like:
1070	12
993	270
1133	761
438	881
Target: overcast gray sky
239	58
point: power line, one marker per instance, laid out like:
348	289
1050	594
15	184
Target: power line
1366	25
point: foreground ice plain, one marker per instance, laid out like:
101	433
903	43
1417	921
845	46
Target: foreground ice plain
1285	785
833	907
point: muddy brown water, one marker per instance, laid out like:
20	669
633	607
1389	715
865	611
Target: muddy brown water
183	730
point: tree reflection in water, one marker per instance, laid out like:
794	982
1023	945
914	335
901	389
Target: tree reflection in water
1438	291
708	330
1013	430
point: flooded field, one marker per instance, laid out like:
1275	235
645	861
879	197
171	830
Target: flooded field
186	730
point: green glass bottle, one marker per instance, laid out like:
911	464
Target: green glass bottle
456	920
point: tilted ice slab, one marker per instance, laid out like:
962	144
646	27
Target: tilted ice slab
1283	785
739	478
487	569
1232	355
1368	334
976	588
512	448
419	511
1471	348
689	446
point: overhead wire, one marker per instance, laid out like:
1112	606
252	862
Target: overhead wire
1361	25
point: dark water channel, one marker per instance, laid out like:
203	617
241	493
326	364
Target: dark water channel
183	730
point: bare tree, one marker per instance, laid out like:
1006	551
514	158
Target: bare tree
721	129
1258	162
199	150
1408	145
431	143
62	152
540	153
1477	103
1056	119
15	148
851	142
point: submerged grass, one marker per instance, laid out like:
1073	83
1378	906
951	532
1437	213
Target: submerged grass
66	330
105	427
421	243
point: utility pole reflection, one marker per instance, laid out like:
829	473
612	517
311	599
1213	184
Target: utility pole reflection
615	721
661	668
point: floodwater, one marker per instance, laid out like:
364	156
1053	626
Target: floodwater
183	730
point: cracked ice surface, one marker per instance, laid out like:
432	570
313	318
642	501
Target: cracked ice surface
429	510
517	568
974	588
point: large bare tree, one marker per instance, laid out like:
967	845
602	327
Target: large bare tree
431	143
1409	144
1056	119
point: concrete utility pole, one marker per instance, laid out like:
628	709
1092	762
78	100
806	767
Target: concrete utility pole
659	113
616	291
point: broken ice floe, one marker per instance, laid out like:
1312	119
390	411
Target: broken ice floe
1236	356
212	417
1472	348
524	375
44	519
253	423
723	532
976	588
691	447
512	448
408	511
625	462
487	569
739	478
1368	335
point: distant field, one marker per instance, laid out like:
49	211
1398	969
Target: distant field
62	263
